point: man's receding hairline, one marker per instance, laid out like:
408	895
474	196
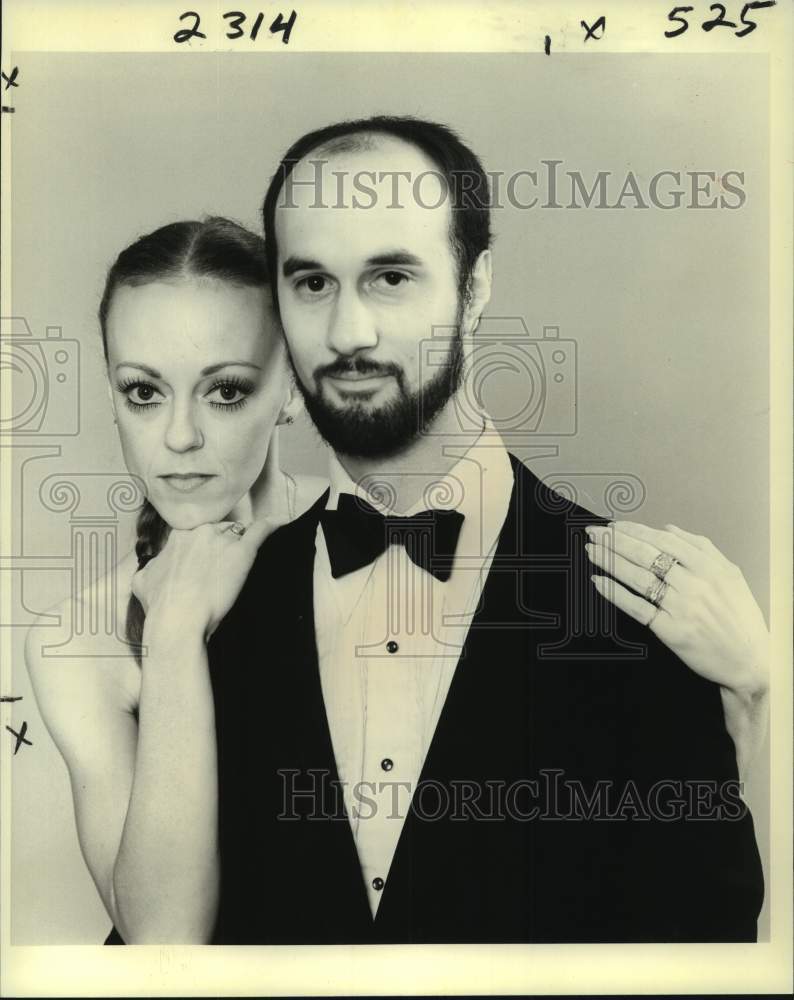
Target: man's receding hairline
360	142
353	142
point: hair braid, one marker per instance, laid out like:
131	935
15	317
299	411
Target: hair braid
152	534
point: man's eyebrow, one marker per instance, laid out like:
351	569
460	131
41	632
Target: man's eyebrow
393	258
293	264
397	258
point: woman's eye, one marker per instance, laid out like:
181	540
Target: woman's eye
140	394
229	394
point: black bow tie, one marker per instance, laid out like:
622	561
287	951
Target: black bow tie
356	534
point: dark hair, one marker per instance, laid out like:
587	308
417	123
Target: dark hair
466	180
215	248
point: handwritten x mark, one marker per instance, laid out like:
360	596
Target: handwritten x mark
10	81
591	32
20	736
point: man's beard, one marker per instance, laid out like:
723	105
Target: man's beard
385	431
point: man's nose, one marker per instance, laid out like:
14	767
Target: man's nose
183	432
351	326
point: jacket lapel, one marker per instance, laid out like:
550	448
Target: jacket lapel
309	745
477	737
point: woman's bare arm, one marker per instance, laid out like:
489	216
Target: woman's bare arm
166	876
88	708
167	873
145	796
747	721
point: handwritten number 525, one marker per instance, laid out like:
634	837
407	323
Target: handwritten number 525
719	21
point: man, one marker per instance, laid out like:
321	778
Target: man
444	731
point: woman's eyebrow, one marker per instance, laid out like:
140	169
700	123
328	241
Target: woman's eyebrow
226	364
210	370
136	364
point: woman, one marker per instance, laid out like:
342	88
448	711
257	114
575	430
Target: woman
198	382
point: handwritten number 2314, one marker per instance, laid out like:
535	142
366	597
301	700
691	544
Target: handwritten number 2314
236	19
719	21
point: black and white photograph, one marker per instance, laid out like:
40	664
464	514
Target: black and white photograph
396	488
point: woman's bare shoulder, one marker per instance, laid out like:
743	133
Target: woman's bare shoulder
75	652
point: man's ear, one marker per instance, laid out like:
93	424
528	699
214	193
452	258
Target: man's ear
478	292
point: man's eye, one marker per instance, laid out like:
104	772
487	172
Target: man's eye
314	283
393	279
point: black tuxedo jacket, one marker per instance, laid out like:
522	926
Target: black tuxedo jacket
580	785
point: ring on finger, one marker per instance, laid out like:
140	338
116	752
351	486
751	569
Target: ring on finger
655	592
237	528
662	565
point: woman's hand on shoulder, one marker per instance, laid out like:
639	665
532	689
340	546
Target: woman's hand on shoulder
195	579
705	613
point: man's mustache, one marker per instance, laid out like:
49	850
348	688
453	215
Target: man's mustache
358	366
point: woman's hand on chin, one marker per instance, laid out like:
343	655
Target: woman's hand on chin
188	588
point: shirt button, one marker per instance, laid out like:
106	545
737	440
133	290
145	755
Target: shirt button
392	646
387	763
377	883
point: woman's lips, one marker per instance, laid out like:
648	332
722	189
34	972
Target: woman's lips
186	482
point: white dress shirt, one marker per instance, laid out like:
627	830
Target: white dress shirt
389	636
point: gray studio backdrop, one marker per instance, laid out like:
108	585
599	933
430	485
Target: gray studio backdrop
664	313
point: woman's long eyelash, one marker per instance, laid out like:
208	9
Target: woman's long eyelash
241	385
126	386
234	382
